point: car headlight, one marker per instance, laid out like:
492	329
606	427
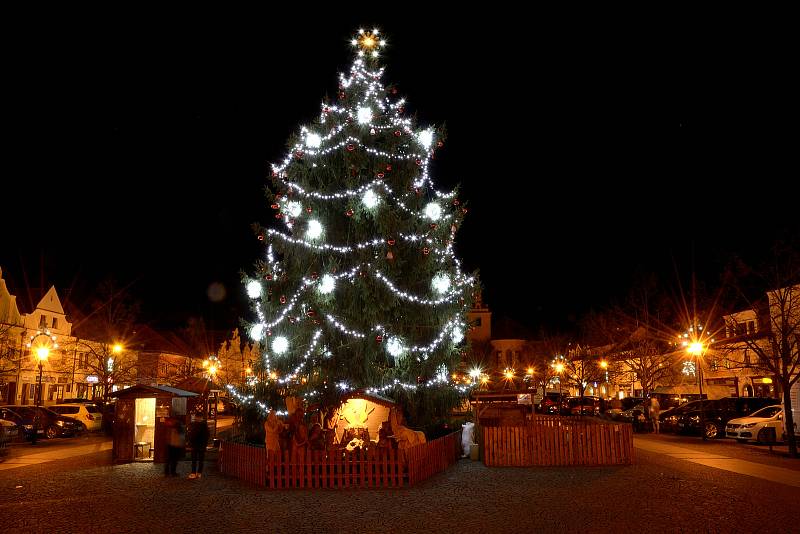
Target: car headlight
28	427
695	418
60	423
749	425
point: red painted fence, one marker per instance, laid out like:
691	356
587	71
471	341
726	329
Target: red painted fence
554	440
370	468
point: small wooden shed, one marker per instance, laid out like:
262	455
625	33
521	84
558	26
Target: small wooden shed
140	432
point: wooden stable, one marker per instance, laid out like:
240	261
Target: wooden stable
554	440
369	468
140	431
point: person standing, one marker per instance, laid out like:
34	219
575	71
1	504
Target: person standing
198	435
655	411
175	444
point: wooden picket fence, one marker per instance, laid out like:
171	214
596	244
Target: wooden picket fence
370	468
555	440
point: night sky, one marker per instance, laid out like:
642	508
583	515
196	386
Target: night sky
586	150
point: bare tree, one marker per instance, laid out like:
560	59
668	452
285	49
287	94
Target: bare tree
773	292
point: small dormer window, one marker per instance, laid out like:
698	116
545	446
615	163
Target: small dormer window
55	322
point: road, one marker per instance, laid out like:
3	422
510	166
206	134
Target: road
667	490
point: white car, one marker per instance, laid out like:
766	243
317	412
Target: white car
764	426
88	414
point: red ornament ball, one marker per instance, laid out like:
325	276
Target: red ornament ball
418	162
275	207
268	276
379	338
314	276
350	148
278	215
283	299
388	168
349	213
311	313
397	133
426	251
261	237
274	174
390	242
380	175
456	202
308	209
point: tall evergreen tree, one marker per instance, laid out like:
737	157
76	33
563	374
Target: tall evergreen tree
360	287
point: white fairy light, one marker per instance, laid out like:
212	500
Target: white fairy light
314	229
426	138
280	345
441	283
313	140
433	211
457	335
395	347
254	289
326	284
364	115
294	208
257	332
370	199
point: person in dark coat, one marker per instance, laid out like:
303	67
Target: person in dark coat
198	440
175	446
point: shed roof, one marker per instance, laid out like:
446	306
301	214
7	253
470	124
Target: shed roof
142	389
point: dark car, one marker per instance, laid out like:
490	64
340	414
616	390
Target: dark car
583	405
553	404
47	423
668	419
710	420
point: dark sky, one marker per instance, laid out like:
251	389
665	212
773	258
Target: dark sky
587	149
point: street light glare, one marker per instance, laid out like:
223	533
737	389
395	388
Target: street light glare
42	353
559	367
695	348
117	348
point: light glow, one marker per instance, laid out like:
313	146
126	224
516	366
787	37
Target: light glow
364	115
370	199
280	345
294	208
253	289
426	138
313	140
327	284
314	229
441	283
433	211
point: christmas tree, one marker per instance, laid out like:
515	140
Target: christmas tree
360	288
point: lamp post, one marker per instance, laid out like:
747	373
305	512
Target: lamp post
40	344
212	365
559	367
696	349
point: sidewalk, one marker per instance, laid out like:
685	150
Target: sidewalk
781	475
26	454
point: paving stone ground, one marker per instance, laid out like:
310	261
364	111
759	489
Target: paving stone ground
658	494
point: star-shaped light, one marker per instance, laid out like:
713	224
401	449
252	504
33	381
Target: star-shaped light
368	42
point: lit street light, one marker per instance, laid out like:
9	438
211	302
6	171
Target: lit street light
40	344
696	348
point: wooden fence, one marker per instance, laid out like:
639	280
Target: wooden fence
554	440
370	468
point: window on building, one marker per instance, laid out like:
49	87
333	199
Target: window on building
42	322
83	360
747	357
55	322
751	327
713	364
477	321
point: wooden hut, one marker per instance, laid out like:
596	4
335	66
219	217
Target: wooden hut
361	415
140	431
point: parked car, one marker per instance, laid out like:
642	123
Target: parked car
624	404
716	414
668	419
77	400
553	403
88	414
583	405
764	426
50	424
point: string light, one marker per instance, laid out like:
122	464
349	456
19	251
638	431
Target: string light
327	284
314	229
370	199
433	211
253	289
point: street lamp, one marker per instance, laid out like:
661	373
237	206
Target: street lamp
696	348
212	366
40	344
559	367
